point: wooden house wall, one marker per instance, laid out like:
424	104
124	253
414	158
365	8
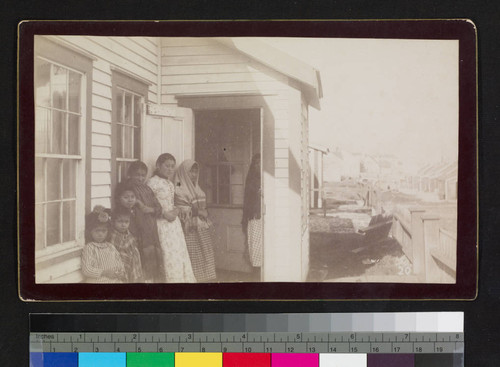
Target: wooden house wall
135	55
204	70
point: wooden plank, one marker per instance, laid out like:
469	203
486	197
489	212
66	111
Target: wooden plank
88	44
101	115
102	140
281	162
73	277
205	69
102	66
101	127
281	153
281	144
215	78
101	102
213	49
281	172
186	41
137	46
58	270
101	152
101	165
203	60
152	96
101	77
101	178
112	46
101	191
151	42
168	99
105	202
239	87
100	89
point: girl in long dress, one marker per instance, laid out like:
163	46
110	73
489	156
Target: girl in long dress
252	222
191	201
177	265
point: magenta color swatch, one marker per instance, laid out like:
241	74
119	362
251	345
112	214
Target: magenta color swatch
390	360
295	360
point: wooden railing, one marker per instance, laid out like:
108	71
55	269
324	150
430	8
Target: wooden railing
430	248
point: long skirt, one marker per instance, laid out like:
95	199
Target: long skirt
201	252
255	241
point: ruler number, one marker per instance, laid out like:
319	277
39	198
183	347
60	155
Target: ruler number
439	349
182	349
297	337
397	349
418	349
290	349
134	336
248	349
160	350
312	349
118	349
224	350
139	349
406	336
333	349
354	349
96	349
375	349
202	349
75	349
269	349
352	336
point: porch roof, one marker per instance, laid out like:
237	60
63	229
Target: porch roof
308	77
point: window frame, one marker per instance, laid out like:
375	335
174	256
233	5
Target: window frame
122	81
70	60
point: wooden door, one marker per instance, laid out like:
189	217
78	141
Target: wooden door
225	141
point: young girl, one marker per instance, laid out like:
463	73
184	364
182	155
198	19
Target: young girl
175	256
101	262
125	198
147	211
126	244
191	200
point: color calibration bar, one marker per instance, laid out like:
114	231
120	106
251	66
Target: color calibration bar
242	360
348	339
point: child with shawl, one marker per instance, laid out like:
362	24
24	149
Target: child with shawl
191	201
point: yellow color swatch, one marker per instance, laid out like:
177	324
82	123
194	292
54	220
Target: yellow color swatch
198	359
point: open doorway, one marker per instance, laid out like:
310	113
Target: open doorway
225	142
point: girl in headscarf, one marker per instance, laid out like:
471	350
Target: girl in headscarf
251	221
177	265
192	203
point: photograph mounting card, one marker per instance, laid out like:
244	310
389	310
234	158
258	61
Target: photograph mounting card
212	160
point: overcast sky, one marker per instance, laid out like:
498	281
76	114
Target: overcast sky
384	96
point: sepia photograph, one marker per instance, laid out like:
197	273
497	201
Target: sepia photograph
245	159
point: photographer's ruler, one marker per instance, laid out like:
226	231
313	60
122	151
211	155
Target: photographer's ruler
226	340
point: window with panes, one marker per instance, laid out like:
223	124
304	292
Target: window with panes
128	101
60	103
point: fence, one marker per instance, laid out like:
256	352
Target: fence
431	249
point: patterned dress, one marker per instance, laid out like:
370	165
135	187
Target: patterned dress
98	257
126	244
176	260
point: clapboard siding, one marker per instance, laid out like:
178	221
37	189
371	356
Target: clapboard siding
185	41
250	76
209	49
101	140
217	88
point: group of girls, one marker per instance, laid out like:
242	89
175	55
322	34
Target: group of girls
158	232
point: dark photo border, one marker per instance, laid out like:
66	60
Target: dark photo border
465	287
